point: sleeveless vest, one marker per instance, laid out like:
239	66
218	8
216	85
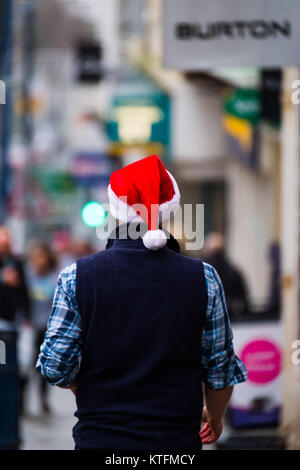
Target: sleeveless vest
139	384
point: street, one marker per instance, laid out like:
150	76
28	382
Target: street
53	432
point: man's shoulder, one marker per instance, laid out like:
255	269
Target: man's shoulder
93	263
188	259
189	264
67	275
94	257
209	270
68	270
213	281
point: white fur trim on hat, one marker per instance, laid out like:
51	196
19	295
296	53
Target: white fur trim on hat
120	210
155	239
166	209
123	212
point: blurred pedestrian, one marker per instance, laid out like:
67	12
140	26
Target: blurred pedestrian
133	330
275	276
82	248
42	278
62	246
233	282
13	290
68	250
14	298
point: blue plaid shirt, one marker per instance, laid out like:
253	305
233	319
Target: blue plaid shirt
60	356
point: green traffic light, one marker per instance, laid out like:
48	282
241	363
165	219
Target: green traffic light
93	214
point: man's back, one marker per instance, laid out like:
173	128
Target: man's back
139	384
136	329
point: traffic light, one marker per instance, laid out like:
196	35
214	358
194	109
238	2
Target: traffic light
93	214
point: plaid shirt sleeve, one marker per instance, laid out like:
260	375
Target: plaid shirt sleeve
60	353
220	366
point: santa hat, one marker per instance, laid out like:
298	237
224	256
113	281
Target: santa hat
144	191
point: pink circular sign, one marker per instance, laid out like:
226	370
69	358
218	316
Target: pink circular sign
263	361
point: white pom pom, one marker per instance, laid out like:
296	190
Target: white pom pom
155	239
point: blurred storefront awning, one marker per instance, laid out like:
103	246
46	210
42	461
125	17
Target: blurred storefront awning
242	77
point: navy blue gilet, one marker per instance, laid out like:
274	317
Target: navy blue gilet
139	385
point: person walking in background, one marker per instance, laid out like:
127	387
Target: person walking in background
233	282
82	248
136	329
14	298
274	304
42	278
62	246
68	250
13	289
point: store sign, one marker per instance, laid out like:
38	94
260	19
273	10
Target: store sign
55	182
135	122
258	400
139	120
244	104
242	110
201	34
262	359
91	168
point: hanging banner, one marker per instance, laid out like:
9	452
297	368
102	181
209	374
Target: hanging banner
201	34
242	112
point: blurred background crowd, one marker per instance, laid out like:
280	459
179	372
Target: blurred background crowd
87	92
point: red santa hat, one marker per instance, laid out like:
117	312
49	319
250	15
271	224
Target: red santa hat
144	191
